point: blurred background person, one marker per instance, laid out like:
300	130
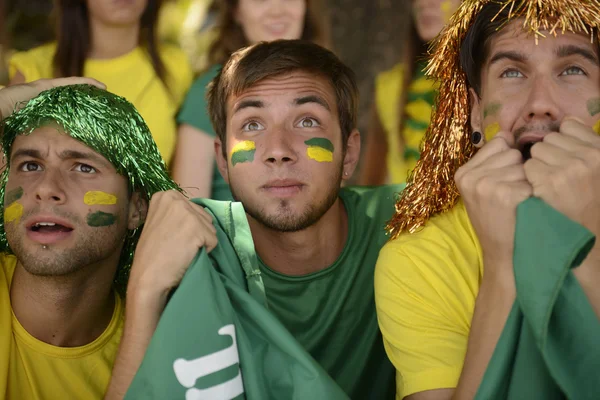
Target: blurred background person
115	42
403	100
240	23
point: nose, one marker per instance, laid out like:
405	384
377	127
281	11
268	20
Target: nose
278	149
50	188
542	104
275	7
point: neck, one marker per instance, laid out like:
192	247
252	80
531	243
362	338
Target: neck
64	311
303	252
112	41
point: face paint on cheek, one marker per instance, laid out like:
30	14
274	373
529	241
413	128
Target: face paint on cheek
243	152
13	195
319	149
100	218
446	8
491	109
97	197
491	131
13	212
593	106
597	128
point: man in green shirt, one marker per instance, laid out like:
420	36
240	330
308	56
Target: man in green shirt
285	117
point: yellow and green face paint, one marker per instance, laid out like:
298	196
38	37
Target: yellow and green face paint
243	152
14	210
593	106
97	197
319	149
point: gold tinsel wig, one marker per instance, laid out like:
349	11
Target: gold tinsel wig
447	144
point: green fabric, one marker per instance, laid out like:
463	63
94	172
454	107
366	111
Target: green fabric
194	112
549	346
332	312
217	314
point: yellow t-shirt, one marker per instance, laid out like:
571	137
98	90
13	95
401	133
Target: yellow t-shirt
426	285
130	76
32	369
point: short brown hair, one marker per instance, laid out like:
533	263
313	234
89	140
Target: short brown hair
253	64
230	36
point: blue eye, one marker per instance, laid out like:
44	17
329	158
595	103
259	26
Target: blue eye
253	126
573	71
308	123
511	73
87	169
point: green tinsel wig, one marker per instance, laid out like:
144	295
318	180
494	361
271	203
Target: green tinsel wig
109	125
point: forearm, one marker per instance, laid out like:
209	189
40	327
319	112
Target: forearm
492	307
143	311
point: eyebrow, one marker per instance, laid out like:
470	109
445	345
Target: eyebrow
64	155
312	99
572	50
248	104
508	55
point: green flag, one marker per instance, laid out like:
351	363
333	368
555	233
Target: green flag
549	346
216	338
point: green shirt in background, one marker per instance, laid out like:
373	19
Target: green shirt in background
194	112
332	312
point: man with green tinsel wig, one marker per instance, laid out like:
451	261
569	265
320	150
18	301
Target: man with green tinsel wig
80	169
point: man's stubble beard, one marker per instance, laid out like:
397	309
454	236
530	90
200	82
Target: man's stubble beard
89	250
286	222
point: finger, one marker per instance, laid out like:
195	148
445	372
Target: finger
563	141
537	173
496	145
512	173
550	154
574	127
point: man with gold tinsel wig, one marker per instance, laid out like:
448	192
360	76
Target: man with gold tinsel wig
488	286
81	167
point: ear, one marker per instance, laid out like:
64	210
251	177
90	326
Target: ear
221	160
138	209
352	155
476	111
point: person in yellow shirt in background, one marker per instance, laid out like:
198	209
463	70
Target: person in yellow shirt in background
240	23
518	116
75	199
115	43
403	100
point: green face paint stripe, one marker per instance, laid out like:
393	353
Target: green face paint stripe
242	156
593	106
491	109
13	195
100	218
320	142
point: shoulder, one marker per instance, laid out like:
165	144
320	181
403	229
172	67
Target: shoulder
33	64
202	81
8	262
372	196
391	77
446	249
178	68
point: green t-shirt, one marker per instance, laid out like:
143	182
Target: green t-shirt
332	312
194	112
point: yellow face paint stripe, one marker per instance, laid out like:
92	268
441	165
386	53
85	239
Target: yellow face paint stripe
97	197
243	152
13	212
597	128
319	154
491	131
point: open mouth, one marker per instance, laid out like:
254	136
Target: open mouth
525	149
49	227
